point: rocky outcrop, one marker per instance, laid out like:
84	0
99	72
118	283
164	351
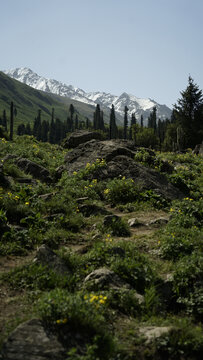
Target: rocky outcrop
46	256
151	333
37	171
119	158
80	137
198	150
104	278
31	341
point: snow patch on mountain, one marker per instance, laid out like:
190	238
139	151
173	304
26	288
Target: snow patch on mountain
135	105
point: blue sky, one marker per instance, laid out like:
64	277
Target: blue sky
144	47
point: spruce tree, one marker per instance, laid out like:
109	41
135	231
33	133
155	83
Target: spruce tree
133	123
125	127
189	114
113	131
141	121
72	110
11	121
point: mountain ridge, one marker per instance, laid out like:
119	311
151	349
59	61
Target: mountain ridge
139	106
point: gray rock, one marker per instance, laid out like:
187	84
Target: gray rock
37	171
31	341
158	222
104	278
153	332
81	137
135	223
198	150
46	256
119	157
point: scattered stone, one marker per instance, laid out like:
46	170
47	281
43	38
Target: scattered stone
92	209
37	171
82	199
154	332
158	222
81	137
104	278
31	341
46	256
198	150
135	223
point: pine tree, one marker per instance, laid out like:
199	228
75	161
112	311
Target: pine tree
28	130
72	110
44	131
141	121
152	119
21	129
189	114
125	127
113	131
97	117
133	123
11	121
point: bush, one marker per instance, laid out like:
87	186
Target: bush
185	342
70	314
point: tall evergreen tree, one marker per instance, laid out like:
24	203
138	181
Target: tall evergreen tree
113	131
133	123
28	130
72	110
141	121
11	120
152	119
21	129
125	126
44	131
189	114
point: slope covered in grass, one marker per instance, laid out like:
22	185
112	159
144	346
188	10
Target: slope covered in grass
154	282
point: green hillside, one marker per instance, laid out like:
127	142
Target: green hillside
28	101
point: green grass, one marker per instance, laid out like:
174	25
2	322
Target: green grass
143	260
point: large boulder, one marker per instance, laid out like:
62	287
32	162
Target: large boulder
37	171
45	256
81	137
104	278
92	150
198	150
119	157
31	341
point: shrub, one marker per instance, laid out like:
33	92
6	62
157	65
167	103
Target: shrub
77	313
185	342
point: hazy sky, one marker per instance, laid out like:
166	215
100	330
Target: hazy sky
146	48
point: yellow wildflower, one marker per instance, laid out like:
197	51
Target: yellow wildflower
106	191
27	203
74	172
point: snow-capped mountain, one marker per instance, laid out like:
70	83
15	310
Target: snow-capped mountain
134	104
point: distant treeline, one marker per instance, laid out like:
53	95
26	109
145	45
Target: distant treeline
184	128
